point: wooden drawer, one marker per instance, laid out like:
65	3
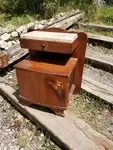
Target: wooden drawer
46	84
49	41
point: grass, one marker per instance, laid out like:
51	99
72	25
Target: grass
6	19
95	31
93	111
100	15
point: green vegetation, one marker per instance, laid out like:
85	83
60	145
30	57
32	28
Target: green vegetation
101	15
19	12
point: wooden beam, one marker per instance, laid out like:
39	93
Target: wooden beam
95	26
99	59
100	38
66	132
98	89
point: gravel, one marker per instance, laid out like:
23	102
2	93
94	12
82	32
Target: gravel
99	75
18	133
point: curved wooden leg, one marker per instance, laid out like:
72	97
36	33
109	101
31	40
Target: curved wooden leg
58	112
24	102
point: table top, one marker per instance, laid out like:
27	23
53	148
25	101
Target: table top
50	36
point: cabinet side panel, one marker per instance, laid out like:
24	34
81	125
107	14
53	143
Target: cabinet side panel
28	85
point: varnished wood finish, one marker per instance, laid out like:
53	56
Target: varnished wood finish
78	53
49	78
3	60
45	83
57	45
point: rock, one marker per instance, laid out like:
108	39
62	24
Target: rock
39	26
5	36
2	30
10	77
21	29
31	25
44	22
14	34
13	42
3	44
9	28
17	42
25	31
9	44
61	14
52	20
57	16
41	135
36	22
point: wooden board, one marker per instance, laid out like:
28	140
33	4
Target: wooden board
100	60
100	37
98	89
100	57
50	36
96	26
68	133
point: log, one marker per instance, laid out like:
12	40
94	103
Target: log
98	89
95	26
68	134
64	24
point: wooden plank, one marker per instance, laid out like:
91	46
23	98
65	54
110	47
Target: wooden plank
69	21
100	60
98	89
95	26
50	36
91	133
100	37
100	57
63	130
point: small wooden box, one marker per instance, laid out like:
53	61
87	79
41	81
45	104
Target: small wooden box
60	42
46	79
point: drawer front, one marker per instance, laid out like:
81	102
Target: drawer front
61	42
65	48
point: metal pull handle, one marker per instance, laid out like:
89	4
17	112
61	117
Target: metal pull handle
44	46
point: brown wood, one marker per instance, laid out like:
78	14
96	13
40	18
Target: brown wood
56	74
3	60
60	42
79	53
45	81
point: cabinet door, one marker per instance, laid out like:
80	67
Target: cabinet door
54	91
